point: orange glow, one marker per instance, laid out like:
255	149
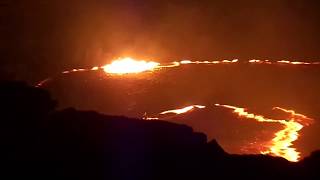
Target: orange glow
41	83
287	62
183	110
129	65
257	61
95	68
281	144
296	116
293	62
150	118
208	62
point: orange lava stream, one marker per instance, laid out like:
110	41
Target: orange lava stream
175	111
183	110
281	144
129	65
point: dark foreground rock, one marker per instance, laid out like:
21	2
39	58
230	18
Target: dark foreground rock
39	142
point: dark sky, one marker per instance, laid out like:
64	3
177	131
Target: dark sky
40	38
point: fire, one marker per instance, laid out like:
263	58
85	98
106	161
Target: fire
183	110
281	144
129	65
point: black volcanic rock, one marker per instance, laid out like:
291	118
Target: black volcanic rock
216	148
141	149
39	142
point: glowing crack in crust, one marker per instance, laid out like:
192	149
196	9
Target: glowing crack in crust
183	110
129	65
175	111
281	144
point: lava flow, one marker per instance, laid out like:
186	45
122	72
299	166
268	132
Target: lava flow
129	65
175	111
183	110
281	144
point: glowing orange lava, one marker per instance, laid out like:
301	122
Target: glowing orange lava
281	144
129	65
183	110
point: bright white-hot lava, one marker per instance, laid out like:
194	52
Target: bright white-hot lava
281	144
183	110
129	65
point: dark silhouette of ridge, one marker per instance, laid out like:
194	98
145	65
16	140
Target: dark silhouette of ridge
40	142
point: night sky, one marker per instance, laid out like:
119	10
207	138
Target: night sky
42	38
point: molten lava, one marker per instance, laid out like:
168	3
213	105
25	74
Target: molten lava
183	110
281	144
129	65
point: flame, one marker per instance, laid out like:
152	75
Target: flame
183	110
281	144
129	65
